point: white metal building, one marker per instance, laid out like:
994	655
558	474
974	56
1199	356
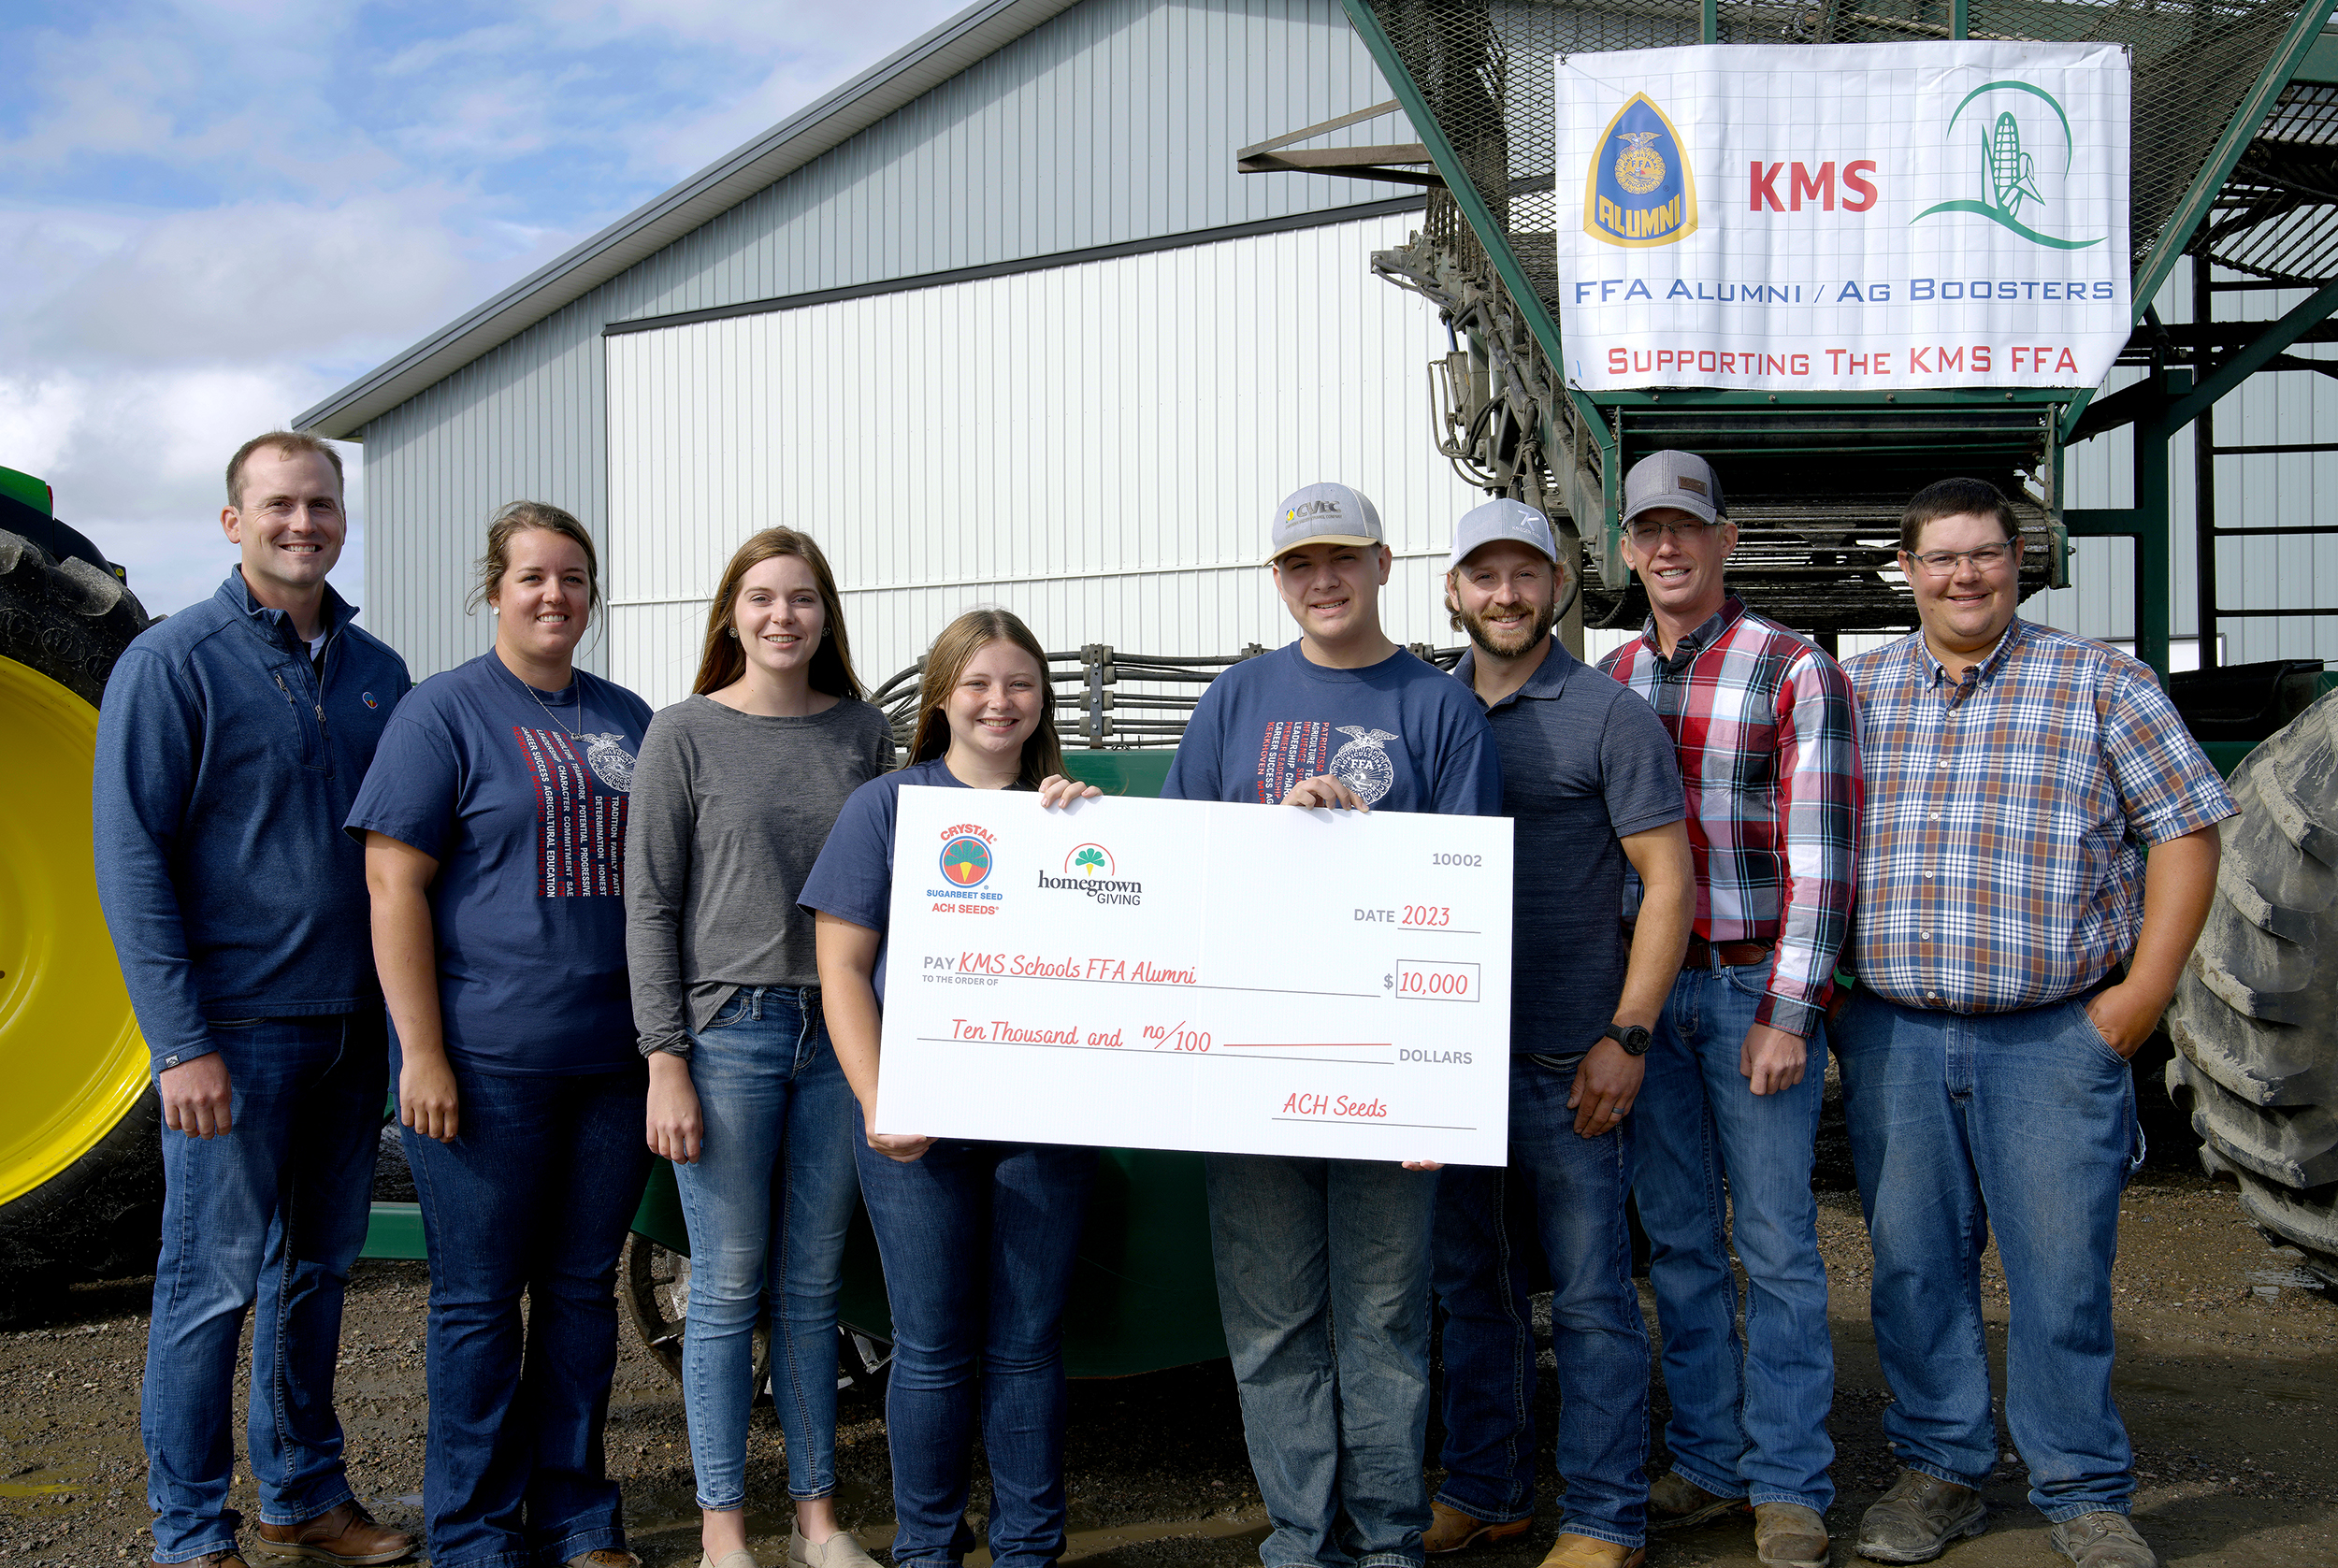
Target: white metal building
998	321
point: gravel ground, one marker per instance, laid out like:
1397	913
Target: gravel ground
2228	1375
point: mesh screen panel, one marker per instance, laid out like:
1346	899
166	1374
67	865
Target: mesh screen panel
1484	67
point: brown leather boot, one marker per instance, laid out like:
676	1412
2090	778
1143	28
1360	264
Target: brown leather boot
1451	1530
344	1534
1589	1551
1676	1503
1789	1535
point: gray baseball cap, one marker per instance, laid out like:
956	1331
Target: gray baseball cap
1330	513
1504	519
1673	478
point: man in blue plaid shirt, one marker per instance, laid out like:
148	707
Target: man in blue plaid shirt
2015	775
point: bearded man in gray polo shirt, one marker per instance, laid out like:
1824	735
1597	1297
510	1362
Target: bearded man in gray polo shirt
1590	776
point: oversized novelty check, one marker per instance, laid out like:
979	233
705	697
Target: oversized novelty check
1176	974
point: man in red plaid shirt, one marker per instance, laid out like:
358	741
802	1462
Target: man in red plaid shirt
2015	775
1728	1112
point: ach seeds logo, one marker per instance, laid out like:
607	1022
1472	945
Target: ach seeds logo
1640	189
2008	174
1090	861
965	860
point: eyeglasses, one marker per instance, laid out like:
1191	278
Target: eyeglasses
1939	563
1645	534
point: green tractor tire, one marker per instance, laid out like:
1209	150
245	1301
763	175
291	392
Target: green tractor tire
2255	1018
81	1164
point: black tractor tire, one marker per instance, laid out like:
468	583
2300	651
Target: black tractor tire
655	1283
2255	1018
99	1216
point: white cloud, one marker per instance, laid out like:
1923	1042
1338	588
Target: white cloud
138	458
257	280
215	212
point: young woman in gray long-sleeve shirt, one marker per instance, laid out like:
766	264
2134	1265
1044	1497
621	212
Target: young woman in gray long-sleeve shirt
733	795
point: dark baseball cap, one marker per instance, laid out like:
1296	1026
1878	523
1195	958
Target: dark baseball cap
1673	478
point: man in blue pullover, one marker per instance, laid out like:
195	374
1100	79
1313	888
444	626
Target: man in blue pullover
230	746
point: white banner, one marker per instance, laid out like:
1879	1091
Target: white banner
1857	217
1189	974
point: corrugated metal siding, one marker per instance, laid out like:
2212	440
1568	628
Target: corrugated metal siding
2257	491
1097	447
1117	120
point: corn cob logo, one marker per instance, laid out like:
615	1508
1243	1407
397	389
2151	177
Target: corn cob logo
2008	171
1640	189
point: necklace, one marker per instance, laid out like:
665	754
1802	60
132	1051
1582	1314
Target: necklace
573	735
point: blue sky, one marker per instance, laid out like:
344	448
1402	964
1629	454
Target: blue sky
212	215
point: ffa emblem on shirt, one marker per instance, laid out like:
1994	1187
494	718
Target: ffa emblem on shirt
1363	764
610	761
371	701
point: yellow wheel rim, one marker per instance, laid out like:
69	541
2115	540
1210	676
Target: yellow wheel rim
69	1049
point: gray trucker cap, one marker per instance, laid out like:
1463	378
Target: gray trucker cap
1504	519
1673	478
1332	513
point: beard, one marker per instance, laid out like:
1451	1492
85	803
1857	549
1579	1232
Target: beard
1509	646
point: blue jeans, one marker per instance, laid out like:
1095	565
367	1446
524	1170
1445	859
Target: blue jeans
271	1212
767	1205
979	1241
533	1198
1568	1191
1715	1162
1322	1283
2022	1124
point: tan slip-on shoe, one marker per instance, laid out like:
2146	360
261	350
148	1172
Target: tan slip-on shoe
1589	1551
1677	1502
1451	1530
344	1534
840	1550
737	1558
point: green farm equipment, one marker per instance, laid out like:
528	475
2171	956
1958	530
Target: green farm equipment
80	1182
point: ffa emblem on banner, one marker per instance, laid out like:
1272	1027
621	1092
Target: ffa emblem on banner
1641	190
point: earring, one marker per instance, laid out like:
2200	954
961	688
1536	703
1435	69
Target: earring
733	631
495	610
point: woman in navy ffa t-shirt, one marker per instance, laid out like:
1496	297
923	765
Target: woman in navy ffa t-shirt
494	824
977	1238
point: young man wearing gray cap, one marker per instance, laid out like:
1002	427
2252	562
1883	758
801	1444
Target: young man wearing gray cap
1762	724
1588	776
1335	1422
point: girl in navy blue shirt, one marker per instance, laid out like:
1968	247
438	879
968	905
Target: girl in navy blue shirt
977	1238
494	823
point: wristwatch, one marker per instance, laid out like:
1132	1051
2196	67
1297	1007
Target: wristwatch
1633	1038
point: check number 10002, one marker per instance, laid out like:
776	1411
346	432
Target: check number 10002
1418	981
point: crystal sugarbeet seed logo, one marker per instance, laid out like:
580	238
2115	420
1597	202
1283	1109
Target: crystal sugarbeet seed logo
965	860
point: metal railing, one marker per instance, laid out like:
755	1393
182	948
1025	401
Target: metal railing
1109	700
